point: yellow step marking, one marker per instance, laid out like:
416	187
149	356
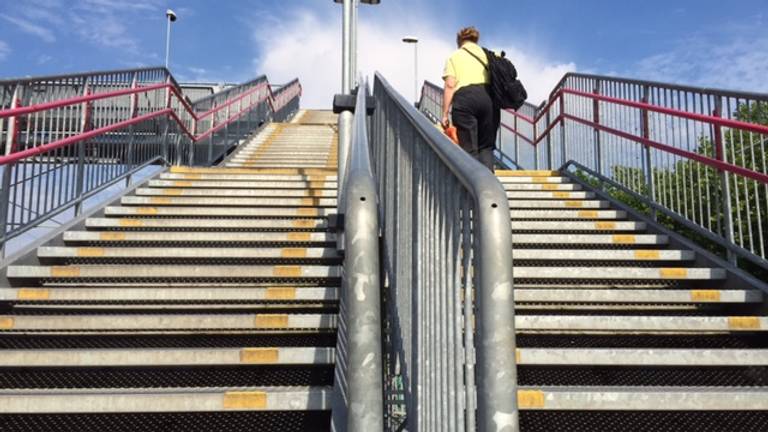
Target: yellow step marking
605	225
530	399
245	400
549	187
281	293
744	323
304	223
315	193
540	179
624	239
287	271
270	171
131	223
33	294
6	323
182	184
561	194
146	211
294	253
307	212
705	295
112	236
309	202
673	273
518	353
65	272
160	200
90	252
172	192
259	355
526	173
319	179
588	214
301	237
574	204
271	321
647	254
193	176
317	185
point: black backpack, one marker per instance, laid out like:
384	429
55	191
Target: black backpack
506	90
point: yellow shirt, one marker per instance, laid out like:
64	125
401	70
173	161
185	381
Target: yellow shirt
465	68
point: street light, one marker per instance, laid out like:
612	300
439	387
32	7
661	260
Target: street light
415	41
349	42
171	15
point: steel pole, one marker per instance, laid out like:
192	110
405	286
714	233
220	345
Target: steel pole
345	118
353	45
416	72
167	41
346	48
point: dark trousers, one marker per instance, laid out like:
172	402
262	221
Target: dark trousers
477	122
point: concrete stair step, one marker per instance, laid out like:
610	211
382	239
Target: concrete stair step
188	253
590	239
186	357
159	323
197	237
568	214
258	178
619	273
255	171
94	401
554	204
533	180
563	187
166	294
278	165
642	399
570	195
665	296
216	184
182	272
227	202
229	193
640	324
232	212
641	357
576	226
526	173
208	224
602	255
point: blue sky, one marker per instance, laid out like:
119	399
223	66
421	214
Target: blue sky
698	42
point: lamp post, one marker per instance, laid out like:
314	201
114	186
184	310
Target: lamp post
415	41
171	15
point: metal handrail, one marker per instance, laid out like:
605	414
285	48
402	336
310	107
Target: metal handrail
67	136
447	257
359	397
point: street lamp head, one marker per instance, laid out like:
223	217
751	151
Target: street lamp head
411	39
171	15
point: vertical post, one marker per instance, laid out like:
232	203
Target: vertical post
516	138
167	40
166	123
226	132
345	118
563	146
721	154
650	187
416	72
80	174
550	156
353	45
535	142
129	156
5	193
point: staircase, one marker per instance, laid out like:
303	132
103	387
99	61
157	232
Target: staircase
204	300
618	329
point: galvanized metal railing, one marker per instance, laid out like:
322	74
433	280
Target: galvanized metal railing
69	137
448	270
358	385
698	156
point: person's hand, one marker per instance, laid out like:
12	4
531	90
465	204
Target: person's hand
446	121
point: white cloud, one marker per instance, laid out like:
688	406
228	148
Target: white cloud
4	50
30	28
307	44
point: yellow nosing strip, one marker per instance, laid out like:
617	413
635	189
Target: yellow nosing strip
526	173
647	254
89	252
112	236
624	239
316	184
588	214
530	399
705	295
281	293
182	184
673	273
574	204
744	323
131	223
517	355
304	223
245	400
65	272
561	195
271	321
549	187
146	210
160	200
287	271
307	212
33	294
172	192
605	225
302	237
294	253
259	355
6	323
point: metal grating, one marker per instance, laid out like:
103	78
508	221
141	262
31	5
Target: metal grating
289	421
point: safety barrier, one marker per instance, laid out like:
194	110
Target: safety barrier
69	137
447	262
696	157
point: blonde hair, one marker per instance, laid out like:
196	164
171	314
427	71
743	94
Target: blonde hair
467	34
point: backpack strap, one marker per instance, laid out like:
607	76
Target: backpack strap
476	57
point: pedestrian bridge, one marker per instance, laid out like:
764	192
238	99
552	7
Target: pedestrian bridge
280	270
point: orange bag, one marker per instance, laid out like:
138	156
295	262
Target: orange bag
450	131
